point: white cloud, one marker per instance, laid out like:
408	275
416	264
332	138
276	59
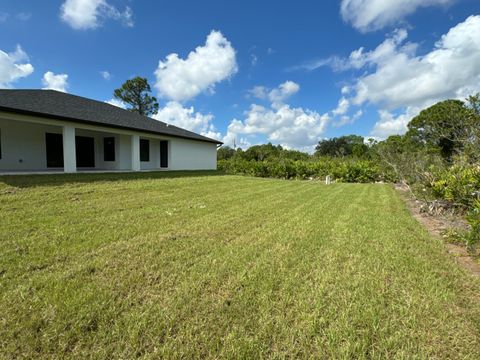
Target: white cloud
283	92
345	90
347	119
117	103
342	107
260	92
399	81
359	58
186	118
340	116
401	78
369	15
291	127
53	81
212	133
13	66
183	79
388	124
87	14
106	75
280	123
334	62
276	95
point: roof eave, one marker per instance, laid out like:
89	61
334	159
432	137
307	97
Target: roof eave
59	117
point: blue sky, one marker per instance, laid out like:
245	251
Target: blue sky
289	72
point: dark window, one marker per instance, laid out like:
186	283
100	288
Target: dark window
163	154
85	151
109	149
54	147
144	150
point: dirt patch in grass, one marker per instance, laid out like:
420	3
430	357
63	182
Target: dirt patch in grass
437	225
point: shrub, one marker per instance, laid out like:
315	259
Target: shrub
344	170
459	184
473	218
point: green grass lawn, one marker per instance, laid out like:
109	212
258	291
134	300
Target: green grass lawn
195	265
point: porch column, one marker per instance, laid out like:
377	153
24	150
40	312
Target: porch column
135	148
69	156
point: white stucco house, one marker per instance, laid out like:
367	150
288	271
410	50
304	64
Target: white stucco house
47	130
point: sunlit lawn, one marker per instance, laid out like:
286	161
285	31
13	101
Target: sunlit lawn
198	265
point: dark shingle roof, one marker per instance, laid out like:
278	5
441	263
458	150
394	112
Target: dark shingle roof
51	103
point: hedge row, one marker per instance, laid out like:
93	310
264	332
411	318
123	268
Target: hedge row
342	170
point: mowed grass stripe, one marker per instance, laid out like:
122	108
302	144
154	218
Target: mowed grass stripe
134	242
267	268
213	283
117	222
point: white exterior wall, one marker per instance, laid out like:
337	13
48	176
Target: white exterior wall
192	155
23	146
124	152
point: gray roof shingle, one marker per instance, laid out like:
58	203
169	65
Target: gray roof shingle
51	103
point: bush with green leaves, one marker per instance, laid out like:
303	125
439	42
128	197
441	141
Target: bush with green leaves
342	170
473	218
459	184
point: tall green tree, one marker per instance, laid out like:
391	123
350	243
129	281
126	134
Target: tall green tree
472	147
342	146
225	153
445	126
473	102
136	93
410	161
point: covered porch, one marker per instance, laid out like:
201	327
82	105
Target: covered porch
37	145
